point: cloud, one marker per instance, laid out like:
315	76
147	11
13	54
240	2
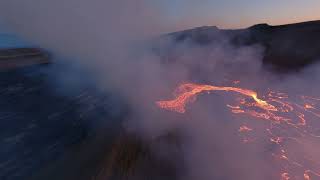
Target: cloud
107	38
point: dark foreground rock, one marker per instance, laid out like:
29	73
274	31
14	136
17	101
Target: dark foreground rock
76	134
21	57
40	126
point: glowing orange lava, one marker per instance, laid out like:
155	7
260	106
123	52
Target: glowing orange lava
245	129
306	176
290	119
285	176
190	91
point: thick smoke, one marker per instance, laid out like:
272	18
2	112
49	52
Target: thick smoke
108	38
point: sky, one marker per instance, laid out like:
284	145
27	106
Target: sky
240	13
184	14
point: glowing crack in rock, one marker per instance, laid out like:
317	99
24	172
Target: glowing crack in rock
290	119
190	91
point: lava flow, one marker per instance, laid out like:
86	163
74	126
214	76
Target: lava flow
189	91
290	119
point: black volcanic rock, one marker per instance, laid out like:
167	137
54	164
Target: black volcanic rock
41	126
21	57
287	47
201	35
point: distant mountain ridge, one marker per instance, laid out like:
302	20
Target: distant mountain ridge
287	47
16	52
22	57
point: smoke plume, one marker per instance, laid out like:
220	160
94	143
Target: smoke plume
111	39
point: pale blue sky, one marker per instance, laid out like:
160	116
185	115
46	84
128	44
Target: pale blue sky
240	13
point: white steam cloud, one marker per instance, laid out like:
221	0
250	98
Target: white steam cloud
102	35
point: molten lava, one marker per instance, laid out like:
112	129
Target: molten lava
290	119
190	91
245	129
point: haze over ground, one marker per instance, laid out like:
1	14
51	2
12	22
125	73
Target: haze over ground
100	37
